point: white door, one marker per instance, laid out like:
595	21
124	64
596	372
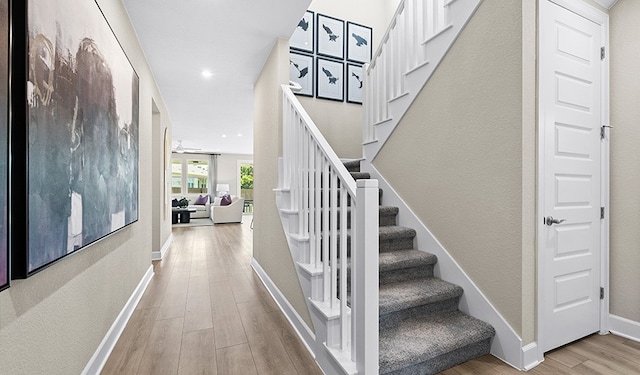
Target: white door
570	120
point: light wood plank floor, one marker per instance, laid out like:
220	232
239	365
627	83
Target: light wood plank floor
593	355
206	312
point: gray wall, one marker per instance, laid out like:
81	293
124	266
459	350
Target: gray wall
457	156
270	248
53	322
625	159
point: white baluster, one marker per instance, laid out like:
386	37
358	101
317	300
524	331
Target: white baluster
344	325
334	239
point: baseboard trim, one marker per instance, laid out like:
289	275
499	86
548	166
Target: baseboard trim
102	353
296	321
530	356
624	327
158	255
507	344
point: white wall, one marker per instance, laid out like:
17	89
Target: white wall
52	322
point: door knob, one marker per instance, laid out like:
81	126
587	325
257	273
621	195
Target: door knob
549	220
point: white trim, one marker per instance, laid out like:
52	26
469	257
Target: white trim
530	357
102	353
506	345
624	327
159	255
607	3
595	15
298	324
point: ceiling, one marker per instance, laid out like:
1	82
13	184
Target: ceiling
229	38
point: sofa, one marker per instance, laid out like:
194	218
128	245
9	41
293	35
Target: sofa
202	211
227	214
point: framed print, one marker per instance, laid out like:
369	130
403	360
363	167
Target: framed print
301	71
4	143
355	77
302	39
330	36
330	79
79	146
359	41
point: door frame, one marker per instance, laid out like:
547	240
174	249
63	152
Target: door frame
595	15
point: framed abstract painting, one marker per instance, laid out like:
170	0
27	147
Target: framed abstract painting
78	170
330	36
301	71
4	143
330	79
355	77
359	42
302	39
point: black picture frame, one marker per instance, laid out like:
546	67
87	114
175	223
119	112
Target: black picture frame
303	38
359	41
74	135
330	36
354	77
5	53
301	71
329	79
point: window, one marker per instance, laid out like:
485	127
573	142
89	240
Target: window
176	176
189	176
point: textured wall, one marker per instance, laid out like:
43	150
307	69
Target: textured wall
456	157
53	322
341	123
625	159
270	248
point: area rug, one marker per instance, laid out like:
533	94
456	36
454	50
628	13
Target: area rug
201	222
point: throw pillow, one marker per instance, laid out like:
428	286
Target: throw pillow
174	203
202	200
226	200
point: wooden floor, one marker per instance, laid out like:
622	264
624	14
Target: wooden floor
206	312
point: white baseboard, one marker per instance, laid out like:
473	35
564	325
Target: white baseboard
158	255
507	344
299	325
624	327
99	358
530	356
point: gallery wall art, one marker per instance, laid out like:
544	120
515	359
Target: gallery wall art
355	75
301	71
359	43
330	36
302	38
4	137
81	151
330	79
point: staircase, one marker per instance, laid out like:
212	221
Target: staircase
421	329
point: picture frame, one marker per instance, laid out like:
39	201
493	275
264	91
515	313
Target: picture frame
330	36
359	42
329	79
302	38
355	78
5	53
75	166
301	71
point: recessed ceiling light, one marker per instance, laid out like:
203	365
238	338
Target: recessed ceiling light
207	73
239	134
224	136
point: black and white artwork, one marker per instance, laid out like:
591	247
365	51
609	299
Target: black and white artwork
4	136
330	36
330	79
301	71
355	78
302	38
359	41
82	111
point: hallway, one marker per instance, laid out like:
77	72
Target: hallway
206	312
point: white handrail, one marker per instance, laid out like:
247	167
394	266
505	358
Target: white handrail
324	195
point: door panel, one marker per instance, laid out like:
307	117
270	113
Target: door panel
570	107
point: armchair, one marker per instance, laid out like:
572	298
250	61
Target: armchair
227	214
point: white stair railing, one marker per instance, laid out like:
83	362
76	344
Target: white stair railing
337	218
419	36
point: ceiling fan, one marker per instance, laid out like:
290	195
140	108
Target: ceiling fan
180	149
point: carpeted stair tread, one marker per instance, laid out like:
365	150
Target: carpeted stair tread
412	293
393	232
360	175
396	260
427	342
352	165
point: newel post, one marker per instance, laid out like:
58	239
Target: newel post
365	278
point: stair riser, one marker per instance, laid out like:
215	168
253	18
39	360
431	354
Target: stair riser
393	318
384	219
406	274
444	361
396	244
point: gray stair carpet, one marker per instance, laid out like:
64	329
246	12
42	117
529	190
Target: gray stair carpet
422	331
